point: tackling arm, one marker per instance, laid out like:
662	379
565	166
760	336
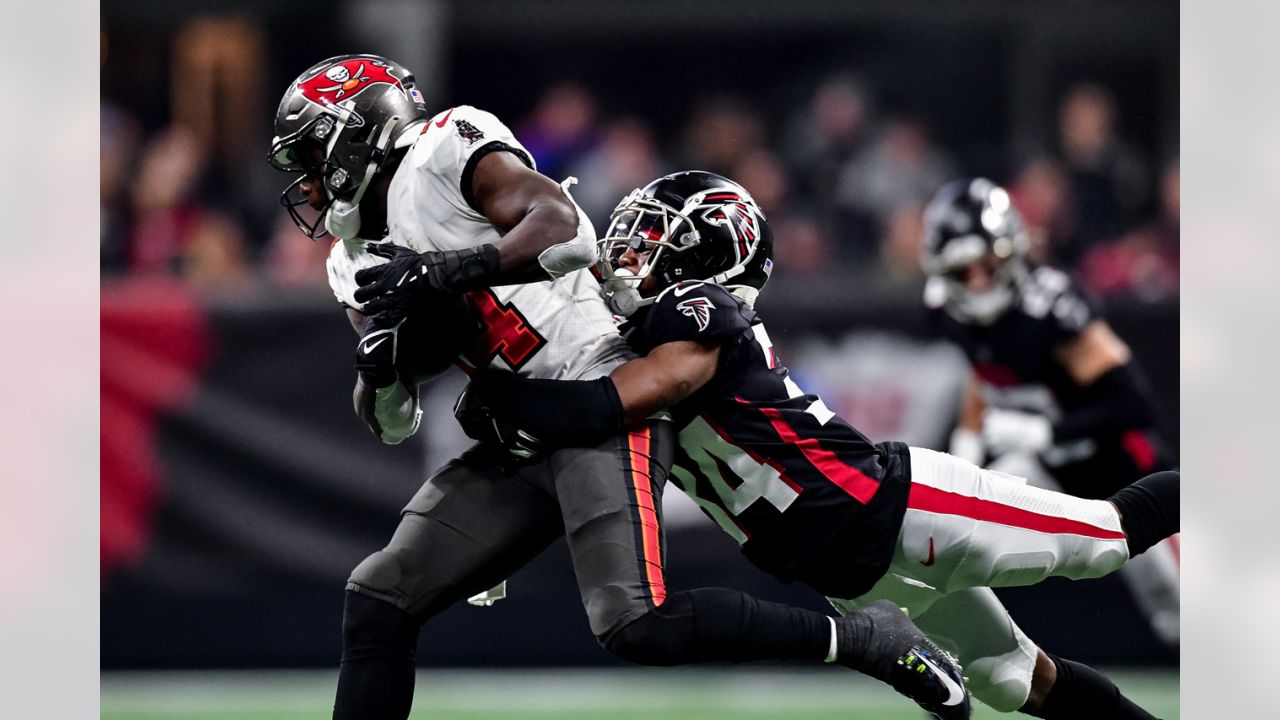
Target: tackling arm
500	406
670	373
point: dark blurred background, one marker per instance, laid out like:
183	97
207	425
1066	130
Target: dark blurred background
238	489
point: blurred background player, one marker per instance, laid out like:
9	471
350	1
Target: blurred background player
1054	395
808	497
463	193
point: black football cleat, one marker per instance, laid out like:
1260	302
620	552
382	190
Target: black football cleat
881	641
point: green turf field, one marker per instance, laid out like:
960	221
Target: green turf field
621	694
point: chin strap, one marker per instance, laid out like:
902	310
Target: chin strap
343	218
745	293
623	293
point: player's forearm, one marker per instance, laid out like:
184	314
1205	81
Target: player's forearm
646	386
1112	404
966	439
558	412
543	245
971	407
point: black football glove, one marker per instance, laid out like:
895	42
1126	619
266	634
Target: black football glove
479	421
403	282
376	351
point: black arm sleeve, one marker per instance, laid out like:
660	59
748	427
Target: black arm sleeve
558	412
1115	402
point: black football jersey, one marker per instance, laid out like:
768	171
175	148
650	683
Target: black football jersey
1014	359
1014	356
808	496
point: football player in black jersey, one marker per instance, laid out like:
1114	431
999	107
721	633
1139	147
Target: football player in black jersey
808	496
1054	395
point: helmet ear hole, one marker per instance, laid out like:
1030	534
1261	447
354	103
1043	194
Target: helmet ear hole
363	134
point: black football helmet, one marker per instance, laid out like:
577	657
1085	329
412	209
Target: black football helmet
695	225
966	222
337	123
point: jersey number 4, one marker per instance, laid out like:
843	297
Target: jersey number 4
504	332
736	479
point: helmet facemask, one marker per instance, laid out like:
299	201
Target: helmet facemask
297	154
344	177
692	225
1006	267
657	233
969	223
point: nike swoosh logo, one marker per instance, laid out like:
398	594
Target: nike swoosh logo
445	119
680	291
955	694
369	348
929	562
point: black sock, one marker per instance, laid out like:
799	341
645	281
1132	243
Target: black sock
375	681
856	633
751	629
717	625
1149	510
1082	692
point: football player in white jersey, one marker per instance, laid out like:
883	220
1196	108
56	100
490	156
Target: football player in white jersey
464	211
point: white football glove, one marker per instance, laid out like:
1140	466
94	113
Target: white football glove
1013	431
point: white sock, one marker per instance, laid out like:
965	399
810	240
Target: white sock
831	653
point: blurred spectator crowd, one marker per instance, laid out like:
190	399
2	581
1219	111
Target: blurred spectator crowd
842	181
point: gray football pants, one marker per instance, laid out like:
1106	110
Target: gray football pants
482	517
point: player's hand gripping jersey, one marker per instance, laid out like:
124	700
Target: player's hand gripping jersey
558	329
825	487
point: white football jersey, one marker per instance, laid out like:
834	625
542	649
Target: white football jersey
559	329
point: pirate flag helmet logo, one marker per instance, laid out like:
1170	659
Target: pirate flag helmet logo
347	79
339	122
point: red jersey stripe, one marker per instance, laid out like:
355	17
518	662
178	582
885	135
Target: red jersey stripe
848	478
782	472
638	445
930	499
1138	445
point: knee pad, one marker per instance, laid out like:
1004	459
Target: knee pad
661	636
378	575
999	684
